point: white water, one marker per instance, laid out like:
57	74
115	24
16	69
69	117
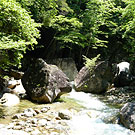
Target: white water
90	121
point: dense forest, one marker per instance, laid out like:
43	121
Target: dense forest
60	28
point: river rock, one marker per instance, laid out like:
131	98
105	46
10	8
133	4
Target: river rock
67	65
44	82
9	99
127	115
97	81
16	86
65	114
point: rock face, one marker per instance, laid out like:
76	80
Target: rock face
67	65
96	82
43	82
127	115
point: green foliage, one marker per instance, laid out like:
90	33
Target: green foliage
92	24
42	10
90	63
17	32
67	30
128	26
92	19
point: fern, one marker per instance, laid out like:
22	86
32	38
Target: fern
90	63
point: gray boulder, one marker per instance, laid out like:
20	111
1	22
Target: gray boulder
127	115
67	65
43	82
96	81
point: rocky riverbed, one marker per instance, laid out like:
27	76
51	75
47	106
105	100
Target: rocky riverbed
40	119
120	95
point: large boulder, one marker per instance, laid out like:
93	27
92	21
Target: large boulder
127	115
96	81
43	82
67	65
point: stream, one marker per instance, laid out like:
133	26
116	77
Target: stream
93	117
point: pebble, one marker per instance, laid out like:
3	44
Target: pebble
42	122
30	122
45	109
64	114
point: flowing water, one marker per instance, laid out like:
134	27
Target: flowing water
93	117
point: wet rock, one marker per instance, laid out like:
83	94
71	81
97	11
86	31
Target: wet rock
44	82
96	80
127	115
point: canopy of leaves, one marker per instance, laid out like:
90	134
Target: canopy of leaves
17	32
92	24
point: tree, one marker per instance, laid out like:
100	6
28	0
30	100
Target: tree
17	33
128	27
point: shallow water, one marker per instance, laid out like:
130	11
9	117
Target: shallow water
91	120
93	116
